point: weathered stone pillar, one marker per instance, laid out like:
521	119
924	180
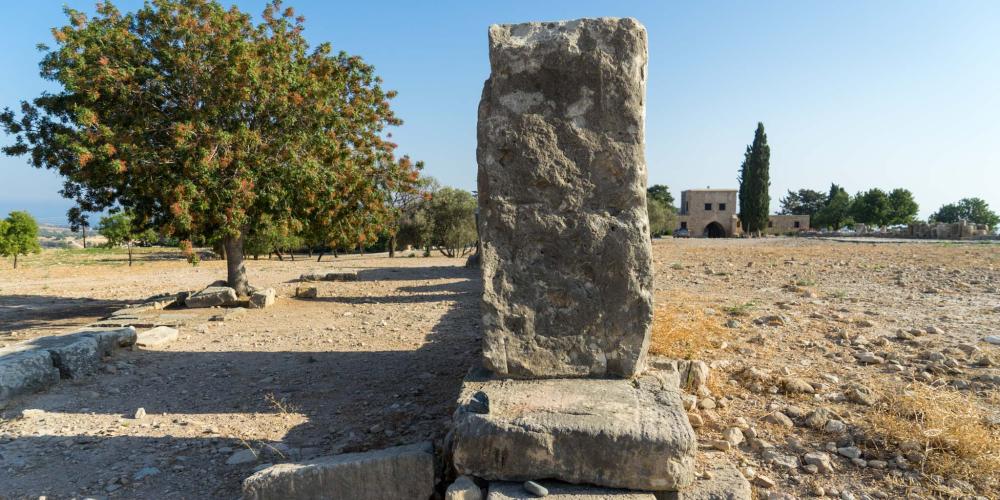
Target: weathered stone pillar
562	198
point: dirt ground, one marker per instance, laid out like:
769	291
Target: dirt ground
378	362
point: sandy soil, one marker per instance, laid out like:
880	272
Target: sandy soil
378	362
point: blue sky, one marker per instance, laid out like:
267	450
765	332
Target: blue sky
865	94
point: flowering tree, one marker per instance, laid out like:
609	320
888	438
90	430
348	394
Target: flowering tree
208	126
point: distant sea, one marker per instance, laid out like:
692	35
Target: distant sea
52	212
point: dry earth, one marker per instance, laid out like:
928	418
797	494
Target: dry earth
378	362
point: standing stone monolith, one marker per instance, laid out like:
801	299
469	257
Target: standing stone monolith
562	199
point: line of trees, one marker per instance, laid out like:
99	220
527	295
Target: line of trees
875	207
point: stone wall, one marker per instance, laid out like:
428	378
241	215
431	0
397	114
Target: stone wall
783	224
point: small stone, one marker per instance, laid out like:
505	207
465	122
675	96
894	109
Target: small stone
535	489
797	385
835	427
32	412
707	404
778	418
695	420
992	339
860	462
242	457
934	330
764	481
869	358
464	488
817	418
878	464
820	460
145	472
733	435
720	444
849	451
140	413
306	292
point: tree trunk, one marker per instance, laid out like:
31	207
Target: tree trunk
280	258
129	247
291	255
335	256
15	260
237	272
320	256
392	246
84	237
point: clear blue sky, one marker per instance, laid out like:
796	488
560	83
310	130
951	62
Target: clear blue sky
865	94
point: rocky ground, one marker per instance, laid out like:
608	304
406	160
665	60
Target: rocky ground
847	369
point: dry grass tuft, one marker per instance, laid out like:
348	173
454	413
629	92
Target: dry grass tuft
950	425
682	329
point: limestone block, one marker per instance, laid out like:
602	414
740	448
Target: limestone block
562	491
562	198
158	336
611	433
211	297
724	482
24	371
402	472
262	298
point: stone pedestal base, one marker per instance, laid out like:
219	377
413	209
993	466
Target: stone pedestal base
613	433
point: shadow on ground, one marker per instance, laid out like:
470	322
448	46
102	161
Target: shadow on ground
24	312
351	400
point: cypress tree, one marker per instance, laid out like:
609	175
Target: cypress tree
755	181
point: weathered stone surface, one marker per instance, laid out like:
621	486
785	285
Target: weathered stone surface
612	433
562	491
464	488
262	298
403	472
723	482
334	276
25	370
158	336
110	340
306	292
211	297
75	355
562	180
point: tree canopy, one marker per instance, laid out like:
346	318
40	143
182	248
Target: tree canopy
755	182
660	193
803	202
902	207
974	210
835	214
18	235
122	229
871	207
210	127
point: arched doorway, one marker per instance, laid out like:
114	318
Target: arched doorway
715	230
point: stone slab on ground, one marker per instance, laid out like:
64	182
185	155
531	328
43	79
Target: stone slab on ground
158	336
110	340
261	299
566	259
25	370
334	276
211	297
725	482
402	472
501	490
614	433
76	355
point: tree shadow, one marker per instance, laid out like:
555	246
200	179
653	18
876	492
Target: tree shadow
349	401
52	313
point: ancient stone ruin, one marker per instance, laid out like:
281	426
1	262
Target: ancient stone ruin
567	303
562	183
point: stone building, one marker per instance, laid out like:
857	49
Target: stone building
711	213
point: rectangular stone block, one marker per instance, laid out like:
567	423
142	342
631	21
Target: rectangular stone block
611	433
402	472
25	370
562	198
561	491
